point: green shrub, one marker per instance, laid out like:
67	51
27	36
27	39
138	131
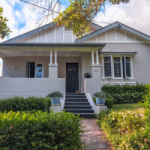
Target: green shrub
87	75
55	94
125	93
25	104
109	103
101	95
124	130
40	131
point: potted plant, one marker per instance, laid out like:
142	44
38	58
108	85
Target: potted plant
87	75
100	97
55	97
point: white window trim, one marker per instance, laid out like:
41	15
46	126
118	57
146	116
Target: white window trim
121	68
104	67
131	63
112	67
36	68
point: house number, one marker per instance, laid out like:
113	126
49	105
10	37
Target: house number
95	70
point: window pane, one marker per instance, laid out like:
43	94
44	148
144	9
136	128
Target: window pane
128	67
107	66
39	71
117	67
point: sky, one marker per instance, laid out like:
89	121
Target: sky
135	14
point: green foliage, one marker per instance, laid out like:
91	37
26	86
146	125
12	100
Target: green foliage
80	13
87	75
25	104
125	93
101	95
4	30
109	103
40	131
55	94
124	130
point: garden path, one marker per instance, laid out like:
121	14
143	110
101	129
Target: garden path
93	137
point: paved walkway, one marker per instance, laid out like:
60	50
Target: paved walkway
93	137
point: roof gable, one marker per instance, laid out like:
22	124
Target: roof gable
31	35
110	27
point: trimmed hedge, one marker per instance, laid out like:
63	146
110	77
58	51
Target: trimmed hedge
40	131
25	104
125	93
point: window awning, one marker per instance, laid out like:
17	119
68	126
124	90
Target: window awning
119	53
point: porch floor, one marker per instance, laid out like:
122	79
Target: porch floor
93	136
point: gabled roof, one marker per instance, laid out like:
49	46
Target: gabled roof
38	30
111	26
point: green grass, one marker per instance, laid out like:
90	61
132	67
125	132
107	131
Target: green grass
134	107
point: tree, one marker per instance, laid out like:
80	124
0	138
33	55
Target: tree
4	30
78	16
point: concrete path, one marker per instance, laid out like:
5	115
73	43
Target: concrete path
93	137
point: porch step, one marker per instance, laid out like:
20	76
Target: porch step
77	107
75	96
75	93
76	100
78	104
80	110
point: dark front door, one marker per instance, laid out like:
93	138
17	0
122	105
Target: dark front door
72	79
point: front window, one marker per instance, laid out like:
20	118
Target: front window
117	67
39	70
107	66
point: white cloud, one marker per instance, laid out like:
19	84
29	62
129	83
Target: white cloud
135	14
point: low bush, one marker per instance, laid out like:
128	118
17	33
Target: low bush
25	104
124	130
109	103
55	94
125	93
40	131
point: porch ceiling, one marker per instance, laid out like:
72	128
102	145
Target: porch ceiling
43	49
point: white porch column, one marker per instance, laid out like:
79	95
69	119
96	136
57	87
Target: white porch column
93	57
55	57
51	57
53	68
97	60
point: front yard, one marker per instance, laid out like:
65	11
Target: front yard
133	107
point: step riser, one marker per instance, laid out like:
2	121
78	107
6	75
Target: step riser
74	107
78	104
80	111
75	93
75	97
87	116
71	100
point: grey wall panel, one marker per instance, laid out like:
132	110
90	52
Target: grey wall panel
42	37
50	35
33	39
68	37
59	34
10	87
120	35
111	35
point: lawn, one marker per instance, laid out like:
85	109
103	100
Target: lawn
134	107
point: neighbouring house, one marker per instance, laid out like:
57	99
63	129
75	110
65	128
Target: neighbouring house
50	58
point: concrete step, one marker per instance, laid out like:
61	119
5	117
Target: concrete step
78	107
75	96
75	93
76	100
80	110
77	103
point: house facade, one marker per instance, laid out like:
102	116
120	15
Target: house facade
51	58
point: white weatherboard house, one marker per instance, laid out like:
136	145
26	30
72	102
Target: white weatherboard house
50	58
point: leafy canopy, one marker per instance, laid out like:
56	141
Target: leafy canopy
80	13
4	30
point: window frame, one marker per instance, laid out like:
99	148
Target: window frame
36	63
109	77
131	65
123	69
